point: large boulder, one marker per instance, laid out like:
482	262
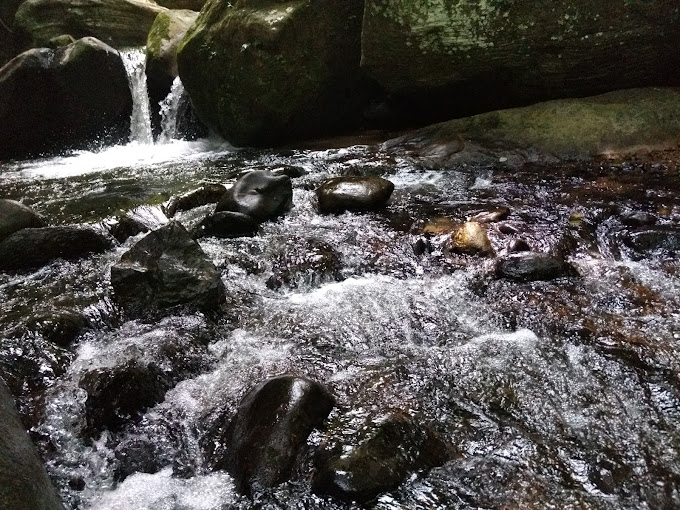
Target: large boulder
260	72
166	268
15	216
24	484
451	57
8	9
260	194
71	96
119	23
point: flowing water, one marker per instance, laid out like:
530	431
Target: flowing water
557	394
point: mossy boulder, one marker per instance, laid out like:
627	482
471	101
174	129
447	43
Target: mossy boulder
72	96
451	57
261	72
119	23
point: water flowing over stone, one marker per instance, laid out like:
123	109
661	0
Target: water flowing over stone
170	107
140	121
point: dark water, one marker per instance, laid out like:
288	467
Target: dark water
558	394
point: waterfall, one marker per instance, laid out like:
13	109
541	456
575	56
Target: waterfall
169	111
140	120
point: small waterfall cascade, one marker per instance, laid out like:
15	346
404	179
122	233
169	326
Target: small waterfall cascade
134	60
170	107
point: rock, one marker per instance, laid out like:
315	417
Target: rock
492	215
269	431
518	245
161	49
530	266
141	219
353	193
61	40
619	122
194	5
75	96
208	194
304	261
657	242
61	327
387	453
24	484
225	224
137	455
261	195
166	268
8	47
119	23
14	216
440	226
638	219
466	57
34	247
470	238
260	73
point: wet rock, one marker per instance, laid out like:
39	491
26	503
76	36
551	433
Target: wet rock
269	431
470	238
141	219
291	171
259	194
24	484
531	266
164	269
34	247
8	49
308	261
638	219
492	215
658	242
264	72
15	216
386	454
353	193
518	245
136	455
225	224
440	226
61	327
61	40
75	96
208	194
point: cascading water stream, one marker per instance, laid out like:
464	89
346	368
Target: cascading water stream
169	111
140	121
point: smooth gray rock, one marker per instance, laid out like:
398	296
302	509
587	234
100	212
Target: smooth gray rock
353	193
14	216
259	194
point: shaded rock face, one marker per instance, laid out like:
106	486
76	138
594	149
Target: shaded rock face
307	261
498	54
262	443
531	266
208	194
225	224
164	269
119	23
34	247
73	96
261	72
388	452
15	216
259	194
8	9
24	484
353	193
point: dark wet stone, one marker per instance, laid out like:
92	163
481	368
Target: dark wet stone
658	242
225	224
141	219
14	216
136	455
470	238
307	261
504	228
77	484
261	195
208	194
164	269
291	171
267	435
518	245
422	246
35	247
638	219
24	484
530	266
492	215
60	327
387	453
353	193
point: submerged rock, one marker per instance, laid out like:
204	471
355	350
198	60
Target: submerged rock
14	216
308	261
24	484
164	269
259	194
386	454
208	194
225	224
73	96
656	242
353	193
470	238
61	327
269	432
34	247
531	266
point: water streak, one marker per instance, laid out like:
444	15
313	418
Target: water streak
169	111
140	121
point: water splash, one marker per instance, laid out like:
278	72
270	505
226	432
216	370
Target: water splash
169	110
134	60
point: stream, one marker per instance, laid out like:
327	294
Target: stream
553	394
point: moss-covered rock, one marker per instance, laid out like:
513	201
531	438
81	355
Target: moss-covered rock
260	72
118	23
467	56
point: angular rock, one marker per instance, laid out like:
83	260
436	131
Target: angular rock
225	224
269	431
387	453
119	23
353	193
259	194
14	216
73	96
470	238
309	261
531	266
465	56
263	72
164	269
34	247
208	194
24	484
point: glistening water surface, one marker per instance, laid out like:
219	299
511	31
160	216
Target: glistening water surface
551	394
